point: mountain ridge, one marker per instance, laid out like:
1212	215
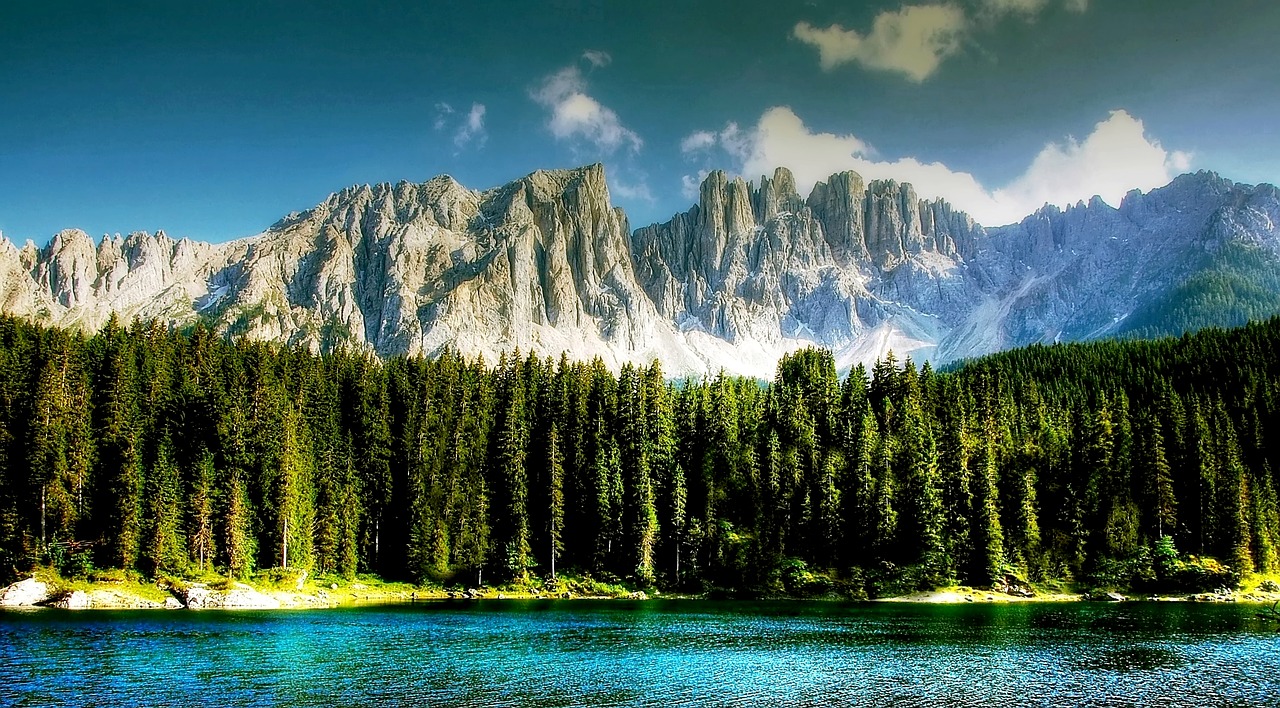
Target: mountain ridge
751	271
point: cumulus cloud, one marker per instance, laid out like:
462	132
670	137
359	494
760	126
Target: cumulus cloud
576	116
912	40
1116	157
915	39
597	58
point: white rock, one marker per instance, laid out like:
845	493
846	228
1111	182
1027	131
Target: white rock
24	593
77	600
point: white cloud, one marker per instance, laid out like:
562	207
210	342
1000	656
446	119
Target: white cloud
912	40
1022	7
635	190
597	58
690	186
1116	157
468	132
443	111
472	129
698	141
915	39
577	116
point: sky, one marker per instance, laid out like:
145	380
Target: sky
212	120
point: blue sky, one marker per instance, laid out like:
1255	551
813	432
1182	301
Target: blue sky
212	120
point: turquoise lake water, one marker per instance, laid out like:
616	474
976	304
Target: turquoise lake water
654	653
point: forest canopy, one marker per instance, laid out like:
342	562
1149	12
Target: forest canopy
162	452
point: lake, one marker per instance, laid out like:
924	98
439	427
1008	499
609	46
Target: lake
652	653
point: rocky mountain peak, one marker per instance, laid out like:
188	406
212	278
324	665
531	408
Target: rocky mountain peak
548	264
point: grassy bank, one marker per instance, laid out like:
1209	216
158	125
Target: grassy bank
295	589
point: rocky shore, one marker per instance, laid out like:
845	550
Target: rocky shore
1267	592
232	595
33	592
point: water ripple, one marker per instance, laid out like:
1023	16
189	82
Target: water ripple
684	653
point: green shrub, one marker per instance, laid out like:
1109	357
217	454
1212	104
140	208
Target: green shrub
1159	568
798	580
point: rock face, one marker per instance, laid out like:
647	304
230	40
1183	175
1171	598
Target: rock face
76	600
239	597
766	267
547	264
24	593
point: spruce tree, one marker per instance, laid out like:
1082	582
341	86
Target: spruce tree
988	538
555	497
163	548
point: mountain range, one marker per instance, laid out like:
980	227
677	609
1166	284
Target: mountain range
753	270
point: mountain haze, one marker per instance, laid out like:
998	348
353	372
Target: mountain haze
751	271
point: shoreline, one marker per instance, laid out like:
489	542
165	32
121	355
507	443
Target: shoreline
955	596
35	594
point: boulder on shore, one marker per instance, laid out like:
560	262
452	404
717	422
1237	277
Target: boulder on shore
239	597
75	600
24	593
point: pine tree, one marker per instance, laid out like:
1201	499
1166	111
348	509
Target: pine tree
1233	500
862	506
1156	478
676	527
1203	473
954	480
830	534
163	548
920	507
988	538
293	496
119	455
1265	519
200	511
884	514
555	497
238	544
58	454
512	480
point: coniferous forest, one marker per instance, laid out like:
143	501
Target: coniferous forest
1115	462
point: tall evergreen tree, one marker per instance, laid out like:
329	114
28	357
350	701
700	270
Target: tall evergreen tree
987	562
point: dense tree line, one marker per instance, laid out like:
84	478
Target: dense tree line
160	452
